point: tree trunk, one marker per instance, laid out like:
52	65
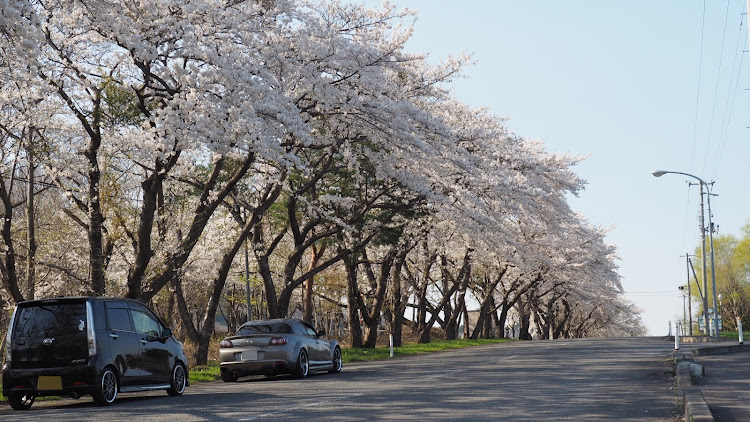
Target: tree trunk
423	331
371	333
503	318
8	264
96	219
314	258
525	320
30	226
264	269
143	251
352	290
398	303
187	326
559	329
495	321
523	332
466	321
373	316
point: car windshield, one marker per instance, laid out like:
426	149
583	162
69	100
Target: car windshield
265	328
50	320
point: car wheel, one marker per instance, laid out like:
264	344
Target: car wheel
229	377
303	365
21	401
336	361
106	390
179	380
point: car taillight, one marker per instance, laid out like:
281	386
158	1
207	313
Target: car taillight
90	333
277	341
9	337
225	344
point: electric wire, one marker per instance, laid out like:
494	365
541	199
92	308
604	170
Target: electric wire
698	94
654	294
729	108
716	90
654	291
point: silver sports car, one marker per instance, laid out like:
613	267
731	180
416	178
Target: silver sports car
277	346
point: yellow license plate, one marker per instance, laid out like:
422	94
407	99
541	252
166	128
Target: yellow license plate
49	383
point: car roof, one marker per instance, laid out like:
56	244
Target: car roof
274	320
73	299
79	298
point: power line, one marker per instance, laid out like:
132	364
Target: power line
653	292
733	94
698	95
716	89
671	293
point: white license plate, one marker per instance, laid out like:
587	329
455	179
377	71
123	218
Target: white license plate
49	383
250	355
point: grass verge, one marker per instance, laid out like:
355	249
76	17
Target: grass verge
205	373
734	335
352	354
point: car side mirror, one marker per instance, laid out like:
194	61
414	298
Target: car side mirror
321	333
166	333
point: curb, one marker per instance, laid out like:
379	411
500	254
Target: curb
694	404
720	350
696	408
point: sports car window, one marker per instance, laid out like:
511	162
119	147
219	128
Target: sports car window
310	331
265	328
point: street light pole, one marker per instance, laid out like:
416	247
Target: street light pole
707	321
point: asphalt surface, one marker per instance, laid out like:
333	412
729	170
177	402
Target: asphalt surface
561	380
726	385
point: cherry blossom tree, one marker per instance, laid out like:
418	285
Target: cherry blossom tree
182	130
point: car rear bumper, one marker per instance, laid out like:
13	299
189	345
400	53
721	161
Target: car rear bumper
79	379
265	367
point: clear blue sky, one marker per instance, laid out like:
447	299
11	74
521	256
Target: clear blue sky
619	81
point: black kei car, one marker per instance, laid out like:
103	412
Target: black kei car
89	345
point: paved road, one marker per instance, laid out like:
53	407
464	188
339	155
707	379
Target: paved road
575	380
726	386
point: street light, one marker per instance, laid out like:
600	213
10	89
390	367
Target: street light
660	173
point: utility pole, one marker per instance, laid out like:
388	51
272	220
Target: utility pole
707	330
689	294
713	267
684	311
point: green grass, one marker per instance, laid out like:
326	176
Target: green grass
205	373
734	335
350	354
